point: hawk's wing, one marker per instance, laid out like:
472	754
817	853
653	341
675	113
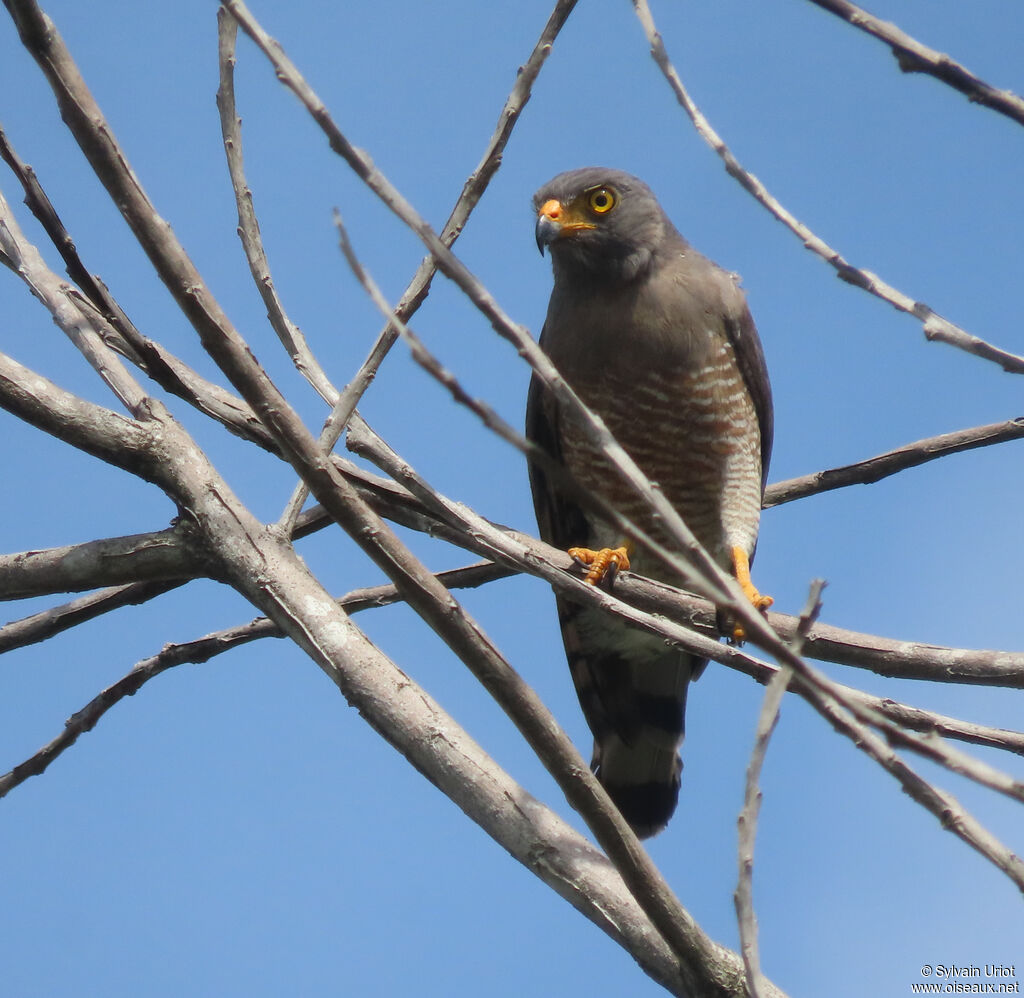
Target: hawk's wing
561	521
746	345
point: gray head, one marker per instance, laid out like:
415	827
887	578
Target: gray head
601	224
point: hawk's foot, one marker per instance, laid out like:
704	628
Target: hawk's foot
602	564
741	570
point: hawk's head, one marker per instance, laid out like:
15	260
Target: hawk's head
601	223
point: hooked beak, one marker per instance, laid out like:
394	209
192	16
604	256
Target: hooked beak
554	221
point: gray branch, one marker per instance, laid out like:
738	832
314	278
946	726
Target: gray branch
164	556
881	466
91	428
47	623
913	57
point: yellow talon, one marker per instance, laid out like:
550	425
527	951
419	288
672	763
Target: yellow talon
741	570
601	563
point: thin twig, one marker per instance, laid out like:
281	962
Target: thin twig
913	57
935	326
65	304
943	805
202	650
881	466
248	226
47	623
288	333
747	820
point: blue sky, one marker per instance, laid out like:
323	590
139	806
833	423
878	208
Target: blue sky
236	828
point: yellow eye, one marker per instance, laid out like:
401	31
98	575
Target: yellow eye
601	200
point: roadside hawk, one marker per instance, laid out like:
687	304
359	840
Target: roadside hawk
659	342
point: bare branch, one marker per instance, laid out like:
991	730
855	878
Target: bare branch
69	309
89	427
935	326
932	747
39	204
120	333
915	660
913	57
47	623
883	465
202	650
943	805
248	227
157	557
885	656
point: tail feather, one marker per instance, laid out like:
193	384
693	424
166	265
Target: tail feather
632	688
642	781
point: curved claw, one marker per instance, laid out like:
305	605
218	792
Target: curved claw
602	564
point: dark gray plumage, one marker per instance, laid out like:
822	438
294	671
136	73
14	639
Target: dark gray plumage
659	342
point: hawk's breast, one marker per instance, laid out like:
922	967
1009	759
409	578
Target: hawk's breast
691	429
